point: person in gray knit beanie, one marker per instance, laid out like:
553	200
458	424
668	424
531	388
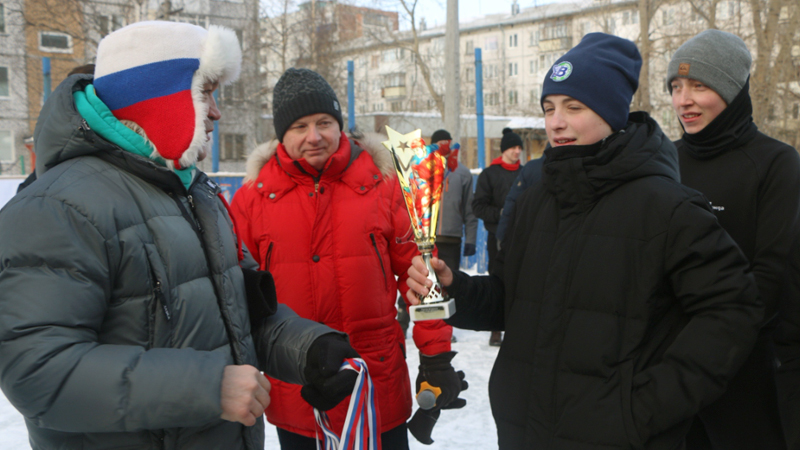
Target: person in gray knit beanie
718	59
299	93
752	182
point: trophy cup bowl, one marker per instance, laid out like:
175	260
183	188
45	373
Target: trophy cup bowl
420	172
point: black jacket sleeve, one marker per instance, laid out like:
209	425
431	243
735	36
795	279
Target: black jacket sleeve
483	203
708	276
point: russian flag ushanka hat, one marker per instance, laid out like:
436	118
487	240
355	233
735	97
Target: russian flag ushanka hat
152	73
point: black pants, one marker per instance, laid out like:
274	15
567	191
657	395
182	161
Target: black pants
450	253
746	416
394	439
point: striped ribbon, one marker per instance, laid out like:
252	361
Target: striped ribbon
360	429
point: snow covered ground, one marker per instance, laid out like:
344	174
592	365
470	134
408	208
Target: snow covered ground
470	427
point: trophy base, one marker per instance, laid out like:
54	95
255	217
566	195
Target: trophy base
432	311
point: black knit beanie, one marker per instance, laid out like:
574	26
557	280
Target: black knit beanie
440	135
602	72
299	93
510	139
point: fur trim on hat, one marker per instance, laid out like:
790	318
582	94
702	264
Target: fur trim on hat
221	61
370	142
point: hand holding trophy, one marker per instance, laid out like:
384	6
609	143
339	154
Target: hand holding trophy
420	171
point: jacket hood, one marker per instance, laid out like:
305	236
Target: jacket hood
581	174
59	134
369	142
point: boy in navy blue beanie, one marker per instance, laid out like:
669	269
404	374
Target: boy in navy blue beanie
602	72
626	306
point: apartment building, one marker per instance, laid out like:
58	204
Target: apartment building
66	33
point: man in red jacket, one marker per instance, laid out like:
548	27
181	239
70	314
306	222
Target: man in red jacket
326	216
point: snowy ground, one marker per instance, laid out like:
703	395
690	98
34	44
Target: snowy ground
470	427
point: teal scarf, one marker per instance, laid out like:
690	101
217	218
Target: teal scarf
102	121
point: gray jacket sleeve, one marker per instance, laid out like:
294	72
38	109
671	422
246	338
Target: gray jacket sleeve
470	220
282	343
57	273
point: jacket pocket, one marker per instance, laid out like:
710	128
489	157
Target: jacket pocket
374	241
266	248
160	310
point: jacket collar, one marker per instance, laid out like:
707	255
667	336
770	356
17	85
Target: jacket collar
579	175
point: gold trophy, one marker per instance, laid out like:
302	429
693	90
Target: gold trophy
420	171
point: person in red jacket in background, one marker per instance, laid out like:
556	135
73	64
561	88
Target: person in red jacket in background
325	215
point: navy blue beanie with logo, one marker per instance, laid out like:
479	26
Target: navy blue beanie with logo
602	72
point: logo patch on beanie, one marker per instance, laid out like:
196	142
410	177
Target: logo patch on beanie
561	71
335	105
683	69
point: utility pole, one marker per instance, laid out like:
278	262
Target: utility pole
452	87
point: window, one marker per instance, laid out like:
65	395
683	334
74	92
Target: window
362	62
512	97
232	93
470	48
6	145
55	42
635	17
232	147
362	86
668	17
611	25
512	40
534	38
534	66
795	110
535	96
107	24
374	61
2	18
491	43
512	69
396	106
626	17
471	101
469	74
4	89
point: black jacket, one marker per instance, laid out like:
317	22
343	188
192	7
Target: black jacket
530	174
490	194
626	306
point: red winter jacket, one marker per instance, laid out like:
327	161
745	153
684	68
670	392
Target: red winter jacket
334	249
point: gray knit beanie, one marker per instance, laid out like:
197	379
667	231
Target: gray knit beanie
718	59
299	93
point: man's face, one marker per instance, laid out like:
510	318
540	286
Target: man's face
511	155
570	122
212	116
314	138
695	104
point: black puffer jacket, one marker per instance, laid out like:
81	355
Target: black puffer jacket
490	194
123	300
626	306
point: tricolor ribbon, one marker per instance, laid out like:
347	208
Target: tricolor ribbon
360	429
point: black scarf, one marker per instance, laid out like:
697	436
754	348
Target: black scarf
733	125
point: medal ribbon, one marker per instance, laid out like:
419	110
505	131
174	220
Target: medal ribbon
360	429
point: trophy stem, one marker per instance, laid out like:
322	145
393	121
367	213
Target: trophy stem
436	293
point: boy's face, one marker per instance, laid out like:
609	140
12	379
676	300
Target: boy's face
570	122
695	104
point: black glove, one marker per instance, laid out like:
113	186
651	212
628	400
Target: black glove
262	301
327	385
469	249
438	372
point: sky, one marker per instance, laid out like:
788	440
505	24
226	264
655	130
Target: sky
435	11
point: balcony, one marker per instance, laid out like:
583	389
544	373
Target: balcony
393	92
552	45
